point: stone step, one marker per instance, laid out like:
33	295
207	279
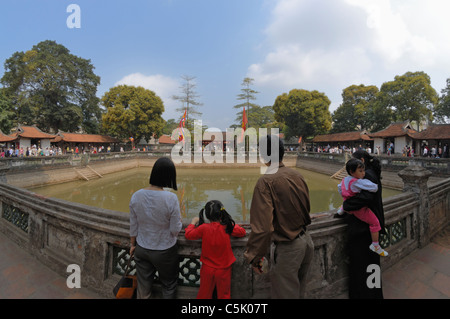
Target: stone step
87	173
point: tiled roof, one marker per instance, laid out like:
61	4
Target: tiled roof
342	137
395	130
166	139
5	138
434	132
31	132
84	138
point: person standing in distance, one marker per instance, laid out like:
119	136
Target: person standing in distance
279	215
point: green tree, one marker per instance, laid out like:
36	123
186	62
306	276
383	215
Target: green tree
247	95
50	87
189	100
408	97
304	113
442	111
132	112
381	115
263	117
6	113
356	110
169	126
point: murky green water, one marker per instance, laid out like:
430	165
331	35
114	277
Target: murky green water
232	186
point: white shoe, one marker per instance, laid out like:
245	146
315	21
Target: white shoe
380	251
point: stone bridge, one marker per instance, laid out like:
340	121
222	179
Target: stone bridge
59	233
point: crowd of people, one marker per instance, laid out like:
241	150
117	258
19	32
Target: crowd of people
35	150
279	220
436	152
31	151
433	151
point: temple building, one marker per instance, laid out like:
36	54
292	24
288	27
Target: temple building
85	142
27	136
435	135
347	139
395	139
396	136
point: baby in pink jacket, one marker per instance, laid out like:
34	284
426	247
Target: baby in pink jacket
352	185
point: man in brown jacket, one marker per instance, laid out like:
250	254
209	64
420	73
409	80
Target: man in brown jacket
279	214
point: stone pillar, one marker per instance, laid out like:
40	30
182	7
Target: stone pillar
415	180
3	170
93	266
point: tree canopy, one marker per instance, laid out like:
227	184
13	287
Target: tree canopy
356	110
189	101
132	112
410	96
442	111
50	87
6	113
304	113
247	95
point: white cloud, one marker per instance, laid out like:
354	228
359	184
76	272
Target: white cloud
292	67
328	45
163	86
393	37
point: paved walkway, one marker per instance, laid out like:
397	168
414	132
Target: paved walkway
22	276
423	274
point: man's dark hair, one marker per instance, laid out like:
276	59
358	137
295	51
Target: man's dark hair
164	173
266	143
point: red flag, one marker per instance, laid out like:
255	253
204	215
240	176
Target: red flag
180	127
299	140
244	120
183	119
244	125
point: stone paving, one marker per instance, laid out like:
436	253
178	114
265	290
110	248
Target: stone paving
22	276
423	274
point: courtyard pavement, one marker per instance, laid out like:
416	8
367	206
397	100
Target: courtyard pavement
423	274
22	276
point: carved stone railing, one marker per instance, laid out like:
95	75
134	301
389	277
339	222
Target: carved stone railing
60	233
394	163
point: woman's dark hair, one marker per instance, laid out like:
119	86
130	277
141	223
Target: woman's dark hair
214	211
164	173
369	161
352	165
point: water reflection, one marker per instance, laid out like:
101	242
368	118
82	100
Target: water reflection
233	187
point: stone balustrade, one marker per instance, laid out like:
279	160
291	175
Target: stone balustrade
394	163
60	233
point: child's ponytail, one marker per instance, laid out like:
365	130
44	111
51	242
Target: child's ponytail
201	216
214	211
228	221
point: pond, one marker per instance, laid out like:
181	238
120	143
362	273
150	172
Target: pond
232	186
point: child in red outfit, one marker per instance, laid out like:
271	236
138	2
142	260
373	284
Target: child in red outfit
217	256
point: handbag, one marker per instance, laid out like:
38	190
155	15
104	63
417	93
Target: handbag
126	287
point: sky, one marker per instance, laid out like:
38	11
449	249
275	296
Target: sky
324	45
